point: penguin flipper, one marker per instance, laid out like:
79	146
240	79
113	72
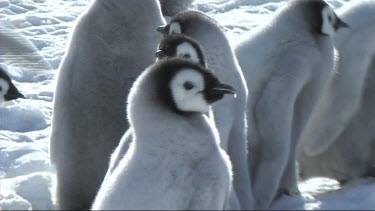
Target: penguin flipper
120	151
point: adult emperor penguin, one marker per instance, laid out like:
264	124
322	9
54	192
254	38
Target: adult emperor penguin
229	113
286	63
8	91
111	45
176	163
339	140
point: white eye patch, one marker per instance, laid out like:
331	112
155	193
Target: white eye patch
186	50
329	20
186	87
4	87
175	28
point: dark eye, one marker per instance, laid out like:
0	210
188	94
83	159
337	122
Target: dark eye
1	88
188	85
186	56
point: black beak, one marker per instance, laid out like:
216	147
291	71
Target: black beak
217	92
340	24
13	94
223	89
163	29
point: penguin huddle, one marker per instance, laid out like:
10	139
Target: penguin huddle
195	123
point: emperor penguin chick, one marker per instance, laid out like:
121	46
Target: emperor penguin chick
176	163
110	46
179	45
339	139
230	113
286	63
8	91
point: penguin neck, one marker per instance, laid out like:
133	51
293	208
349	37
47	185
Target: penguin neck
297	31
298	20
150	117
159	131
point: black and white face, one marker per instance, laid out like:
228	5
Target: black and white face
331	22
4	87
193	91
8	91
187	51
187	89
181	46
183	50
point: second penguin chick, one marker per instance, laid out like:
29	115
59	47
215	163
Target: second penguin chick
176	163
179	45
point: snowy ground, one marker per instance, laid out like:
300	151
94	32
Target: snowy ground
25	172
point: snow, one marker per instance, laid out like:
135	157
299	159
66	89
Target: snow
43	27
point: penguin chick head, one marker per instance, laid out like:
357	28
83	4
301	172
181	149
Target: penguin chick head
178	45
177	84
194	89
186	21
317	14
8	91
330	21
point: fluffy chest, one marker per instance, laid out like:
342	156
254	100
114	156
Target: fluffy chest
165	180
